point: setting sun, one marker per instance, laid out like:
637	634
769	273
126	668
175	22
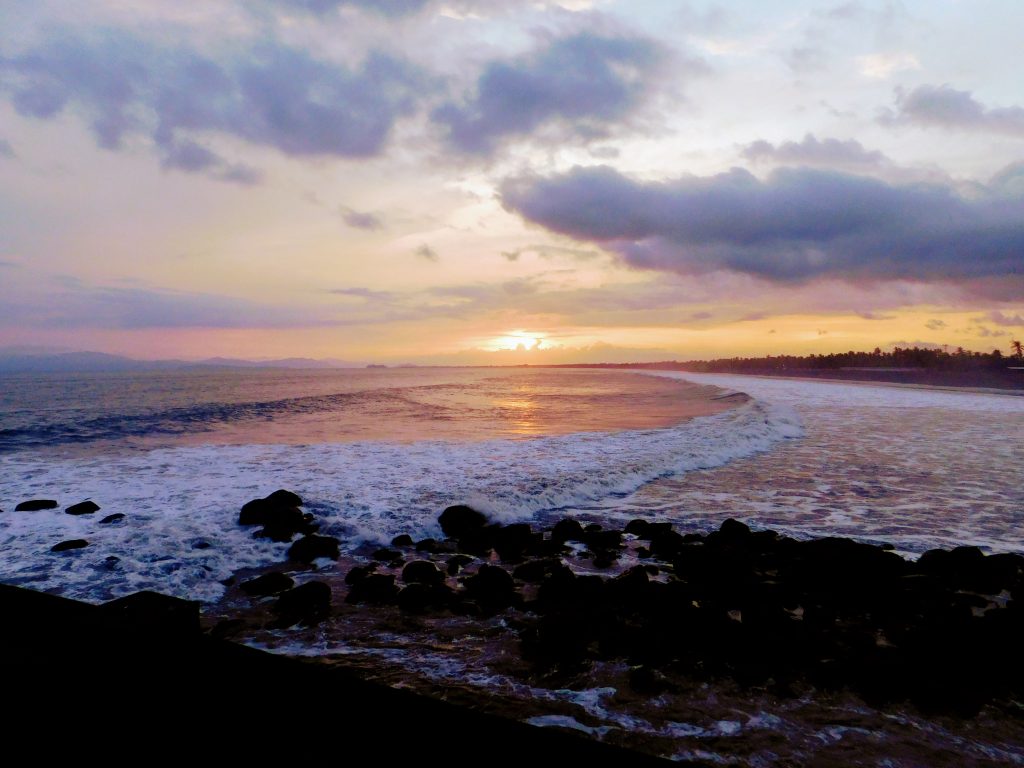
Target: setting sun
515	340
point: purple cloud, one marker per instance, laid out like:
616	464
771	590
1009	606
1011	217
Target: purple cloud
587	82
945	107
268	94
811	151
799	224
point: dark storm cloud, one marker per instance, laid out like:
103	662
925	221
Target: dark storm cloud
588	83
812	151
267	94
797	225
946	107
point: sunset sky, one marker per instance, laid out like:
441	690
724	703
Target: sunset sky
485	181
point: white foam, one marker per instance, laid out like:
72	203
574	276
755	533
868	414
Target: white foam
173	498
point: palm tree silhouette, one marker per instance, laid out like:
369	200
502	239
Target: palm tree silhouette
1018	349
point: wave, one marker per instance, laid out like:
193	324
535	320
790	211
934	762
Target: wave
180	535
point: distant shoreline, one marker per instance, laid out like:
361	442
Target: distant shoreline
928	380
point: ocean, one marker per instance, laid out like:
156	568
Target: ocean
376	453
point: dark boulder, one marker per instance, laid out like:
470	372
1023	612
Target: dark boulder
458	520
35	505
385	555
64	546
733	529
402	540
534	571
112	518
309	548
433	546
567	530
512	541
283	498
261	511
267	584
359	573
422	572
86	507
308	603
492	588
282	523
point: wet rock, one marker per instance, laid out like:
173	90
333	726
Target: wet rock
273	510
402	540
267	584
376	588
421	598
308	603
734	529
281	524
567	530
112	518
433	546
201	544
458	520
86	507
422	572
492	588
512	541
359	573
64	546
457	563
637	527
535	571
35	505
385	555
309	548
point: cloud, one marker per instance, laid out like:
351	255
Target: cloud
881	65
1008	320
989	333
934	324
829	153
267	94
360	219
586	83
426	252
945	107
6	150
383	7
797	225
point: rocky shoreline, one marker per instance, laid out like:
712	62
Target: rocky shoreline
757	608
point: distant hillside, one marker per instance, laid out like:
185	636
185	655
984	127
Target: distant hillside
17	360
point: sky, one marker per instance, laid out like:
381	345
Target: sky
475	181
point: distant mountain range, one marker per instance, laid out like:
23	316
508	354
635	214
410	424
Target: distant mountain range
35	360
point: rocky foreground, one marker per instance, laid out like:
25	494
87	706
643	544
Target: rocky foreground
756	608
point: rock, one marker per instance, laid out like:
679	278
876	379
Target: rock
260	511
511	541
282	523
83	508
403	540
433	546
267	584
64	546
377	588
201	544
567	530
359	573
160	615
637	527
309	548
226	628
492	587
35	505
458	520
422	572
308	603
457	563
534	571
733	529
112	518
387	555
